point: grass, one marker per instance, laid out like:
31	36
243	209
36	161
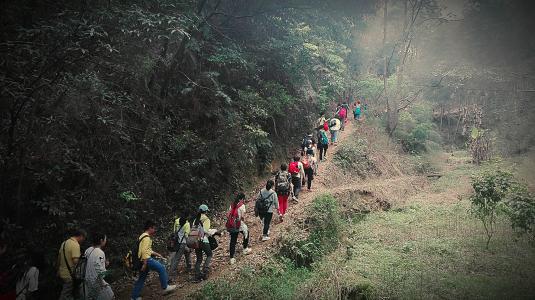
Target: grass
430	249
281	277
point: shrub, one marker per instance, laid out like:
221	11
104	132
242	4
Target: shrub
325	227
353	156
521	209
490	189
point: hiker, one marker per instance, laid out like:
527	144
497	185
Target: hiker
298	173
236	224
68	257
266	200
146	254
202	223
341	115
95	286
283	187
28	283
306	143
309	166
323	144
357	111
334	127
181	230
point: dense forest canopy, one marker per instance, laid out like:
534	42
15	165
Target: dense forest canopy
113	112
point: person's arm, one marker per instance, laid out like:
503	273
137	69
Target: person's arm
75	254
275	200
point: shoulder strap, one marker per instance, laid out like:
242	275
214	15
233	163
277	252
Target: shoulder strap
183	235
65	257
25	288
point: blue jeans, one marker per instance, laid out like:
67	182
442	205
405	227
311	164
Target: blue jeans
334	136
152	265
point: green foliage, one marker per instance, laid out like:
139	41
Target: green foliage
490	188
278	279
325	228
521	209
416	131
353	156
128	196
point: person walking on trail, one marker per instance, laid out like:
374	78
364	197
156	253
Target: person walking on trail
236	224
147	256
342	115
298	173
309	165
68	257
181	230
96	288
358	111
27	286
202	224
323	144
283	188
334	127
306	143
266	202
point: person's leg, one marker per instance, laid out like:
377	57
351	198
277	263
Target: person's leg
325	151
245	238
155	265
280	199
284	204
187	257
297	186
198	262
310	177
173	265
233	241
207	262
295	181
66	291
138	286
267	222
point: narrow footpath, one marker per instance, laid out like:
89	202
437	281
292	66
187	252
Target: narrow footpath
261	251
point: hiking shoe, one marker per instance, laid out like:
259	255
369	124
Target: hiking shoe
247	250
265	238
232	261
169	289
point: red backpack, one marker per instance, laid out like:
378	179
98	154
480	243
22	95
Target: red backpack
233	218
293	168
342	113
326	126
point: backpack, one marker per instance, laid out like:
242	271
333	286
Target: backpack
283	185
357	110
173	244
78	271
293	168
195	236
326	126
262	205
332	123
343	113
306	142
233	219
132	259
324	140
306	163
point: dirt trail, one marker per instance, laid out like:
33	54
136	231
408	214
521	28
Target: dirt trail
329	179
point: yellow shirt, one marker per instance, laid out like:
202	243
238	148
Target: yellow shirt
205	226
72	251
186	227
145	247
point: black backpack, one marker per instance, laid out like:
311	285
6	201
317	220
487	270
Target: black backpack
262	205
135	261
283	184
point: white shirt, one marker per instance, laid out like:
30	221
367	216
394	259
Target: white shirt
28	283
96	265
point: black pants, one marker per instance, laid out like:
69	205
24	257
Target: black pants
266	218
323	150
234	240
205	247
296	181
310	176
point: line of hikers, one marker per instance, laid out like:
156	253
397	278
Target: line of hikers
194	234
